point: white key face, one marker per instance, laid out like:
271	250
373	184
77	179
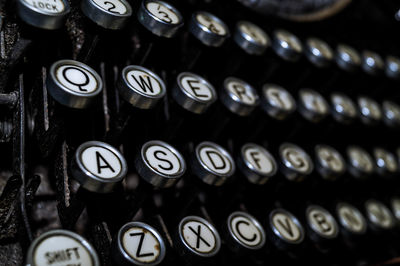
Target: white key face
246	231
280	98
396	207
113	6
163	12
286	227
322	222
76	79
48	6
392	111
370	108
351	219
198	236
215	160
101	162
242	92
143	82
331	159
319	48
289	41
296	159
361	160
163	160
211	24
141	245
61	250
259	160
349	54
197	88
385	160
379	214
314	102
254	33
344	105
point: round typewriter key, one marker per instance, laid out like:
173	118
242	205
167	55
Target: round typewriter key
209	29
138	243
312	105
370	110
379	215
330	164
343	108
198	237
351	219
251	38
256	163
286	230
391	113
395	204
193	92
109	14
98	166
372	63
61	247
160	164
212	163
360	162
287	45
277	102
245	231
73	83
45	14
159	17
386	162
239	96
296	163
323	225
347	58
318	52
392	67
141	87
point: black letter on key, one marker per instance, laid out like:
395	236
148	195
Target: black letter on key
100	159
240	233
139	249
214	165
241	91
195	88
164	160
255	159
198	234
86	82
143	84
286	226
322	223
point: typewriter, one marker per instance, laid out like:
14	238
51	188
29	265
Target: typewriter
199	132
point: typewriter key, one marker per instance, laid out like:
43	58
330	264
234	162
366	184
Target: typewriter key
392	67
277	102
312	105
110	14
351	219
196	236
141	87
391	113
347	58
386	163
296	163
286	45
343	108
160	164
98	166
256	163
73	83
159	17
318	52
372	63
379	216
208	29
251	38
61	247
370	111
395	205
45	14
330	164
286	232
212	163
322	224
361	164
244	231
138	243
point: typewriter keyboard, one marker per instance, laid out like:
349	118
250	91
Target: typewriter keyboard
199	132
